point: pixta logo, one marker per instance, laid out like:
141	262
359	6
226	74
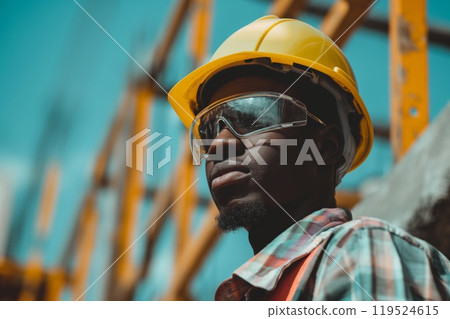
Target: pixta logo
308	152
145	150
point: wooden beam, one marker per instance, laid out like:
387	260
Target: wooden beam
84	246
343	18
193	255
124	274
201	29
184	208
83	234
33	276
409	73
347	199
163	198
436	35
48	200
15	280
163	49
287	8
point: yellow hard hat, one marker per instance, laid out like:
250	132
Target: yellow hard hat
285	41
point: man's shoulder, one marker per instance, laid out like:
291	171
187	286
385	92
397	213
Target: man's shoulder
386	261
370	226
371	223
366	234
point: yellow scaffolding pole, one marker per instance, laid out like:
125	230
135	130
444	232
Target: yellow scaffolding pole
409	73
201	22
124	272
85	243
34	275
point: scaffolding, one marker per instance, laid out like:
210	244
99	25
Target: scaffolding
408	34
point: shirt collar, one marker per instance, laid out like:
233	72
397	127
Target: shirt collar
265	268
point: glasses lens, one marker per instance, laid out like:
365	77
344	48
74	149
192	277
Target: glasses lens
253	113
249	114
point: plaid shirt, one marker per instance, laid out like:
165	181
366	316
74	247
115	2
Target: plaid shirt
361	259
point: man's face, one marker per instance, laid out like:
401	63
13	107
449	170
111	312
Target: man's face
233	180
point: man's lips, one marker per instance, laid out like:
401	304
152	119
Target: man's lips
226	175
227	179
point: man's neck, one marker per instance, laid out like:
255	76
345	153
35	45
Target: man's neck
277	222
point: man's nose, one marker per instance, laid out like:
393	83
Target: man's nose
227	143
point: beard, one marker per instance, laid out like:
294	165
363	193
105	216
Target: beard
244	215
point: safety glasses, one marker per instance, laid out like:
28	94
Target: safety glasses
246	115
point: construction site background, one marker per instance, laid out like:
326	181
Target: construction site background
78	80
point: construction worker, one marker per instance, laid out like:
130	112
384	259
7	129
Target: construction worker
277	116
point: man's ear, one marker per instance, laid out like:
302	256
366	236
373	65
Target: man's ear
331	143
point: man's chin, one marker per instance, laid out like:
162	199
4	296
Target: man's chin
246	214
